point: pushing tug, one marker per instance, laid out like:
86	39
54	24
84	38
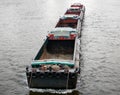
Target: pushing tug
57	63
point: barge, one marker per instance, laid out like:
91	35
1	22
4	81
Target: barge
57	63
69	20
77	9
81	6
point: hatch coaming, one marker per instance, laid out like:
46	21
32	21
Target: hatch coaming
56	49
63	33
68	21
58	52
81	6
73	10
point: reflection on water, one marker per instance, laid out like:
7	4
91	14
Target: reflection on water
48	93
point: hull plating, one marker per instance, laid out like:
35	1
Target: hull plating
52	80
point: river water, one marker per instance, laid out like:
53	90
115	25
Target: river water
23	28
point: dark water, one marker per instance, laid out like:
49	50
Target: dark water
24	25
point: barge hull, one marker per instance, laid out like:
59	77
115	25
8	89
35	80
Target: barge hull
50	80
